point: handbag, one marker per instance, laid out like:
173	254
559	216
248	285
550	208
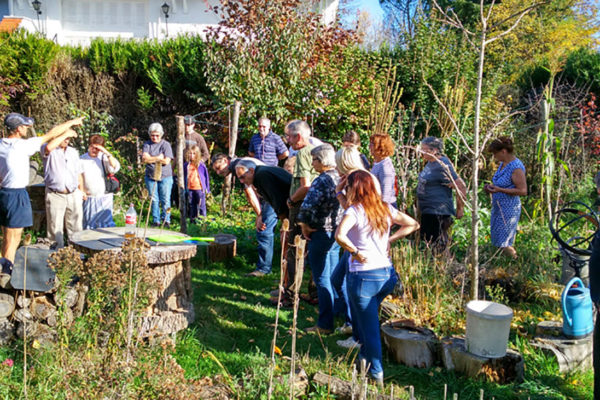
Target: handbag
111	183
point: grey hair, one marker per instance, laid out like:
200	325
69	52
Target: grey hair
245	165
347	159
298	127
156	127
434	143
325	153
264	119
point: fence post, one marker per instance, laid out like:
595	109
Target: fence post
180	180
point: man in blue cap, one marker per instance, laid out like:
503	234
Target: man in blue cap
15	150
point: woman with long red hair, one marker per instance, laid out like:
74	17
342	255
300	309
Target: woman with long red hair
365	232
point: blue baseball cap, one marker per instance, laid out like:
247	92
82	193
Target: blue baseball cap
13	120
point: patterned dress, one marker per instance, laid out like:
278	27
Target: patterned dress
506	209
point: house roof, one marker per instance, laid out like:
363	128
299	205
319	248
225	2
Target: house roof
10	24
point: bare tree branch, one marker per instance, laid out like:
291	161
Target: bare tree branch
519	14
449	115
451	19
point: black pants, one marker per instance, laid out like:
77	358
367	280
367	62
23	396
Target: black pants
434	231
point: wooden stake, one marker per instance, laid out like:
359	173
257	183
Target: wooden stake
480	394
26	242
180	181
445	391
300	245
285	227
233	135
353	381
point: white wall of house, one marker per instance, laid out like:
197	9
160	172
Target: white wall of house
79	21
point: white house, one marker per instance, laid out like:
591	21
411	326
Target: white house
79	21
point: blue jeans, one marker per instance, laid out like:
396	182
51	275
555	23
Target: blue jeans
367	290
323	255
340	288
160	191
197	204
265	238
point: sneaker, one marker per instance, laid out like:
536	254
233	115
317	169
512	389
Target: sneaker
318	330
256	273
377	380
349	343
345	329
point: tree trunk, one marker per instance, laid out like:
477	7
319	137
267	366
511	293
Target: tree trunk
180	181
475	178
233	135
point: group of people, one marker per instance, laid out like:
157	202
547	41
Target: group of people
336	200
157	154
75	197
341	204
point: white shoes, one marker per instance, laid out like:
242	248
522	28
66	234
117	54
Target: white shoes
345	329
349	343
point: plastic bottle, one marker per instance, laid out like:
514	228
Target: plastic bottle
130	222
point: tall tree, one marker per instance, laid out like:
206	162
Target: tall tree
263	53
488	30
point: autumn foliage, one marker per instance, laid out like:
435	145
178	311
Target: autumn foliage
589	125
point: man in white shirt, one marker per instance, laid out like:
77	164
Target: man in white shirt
64	188
15	150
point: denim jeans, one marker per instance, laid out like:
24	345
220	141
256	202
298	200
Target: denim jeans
197	204
323	255
160	191
367	290
265	238
340	288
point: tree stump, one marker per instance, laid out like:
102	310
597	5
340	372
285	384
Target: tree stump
570	354
410	345
170	306
510	368
223	248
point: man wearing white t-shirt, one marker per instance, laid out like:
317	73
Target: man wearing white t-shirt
15	150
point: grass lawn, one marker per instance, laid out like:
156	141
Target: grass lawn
234	328
229	343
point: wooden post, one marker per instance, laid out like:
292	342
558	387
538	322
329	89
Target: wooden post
138	151
300	245
180	181
233	135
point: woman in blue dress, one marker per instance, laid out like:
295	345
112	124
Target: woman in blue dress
508	184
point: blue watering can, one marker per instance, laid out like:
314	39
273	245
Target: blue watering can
578	319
